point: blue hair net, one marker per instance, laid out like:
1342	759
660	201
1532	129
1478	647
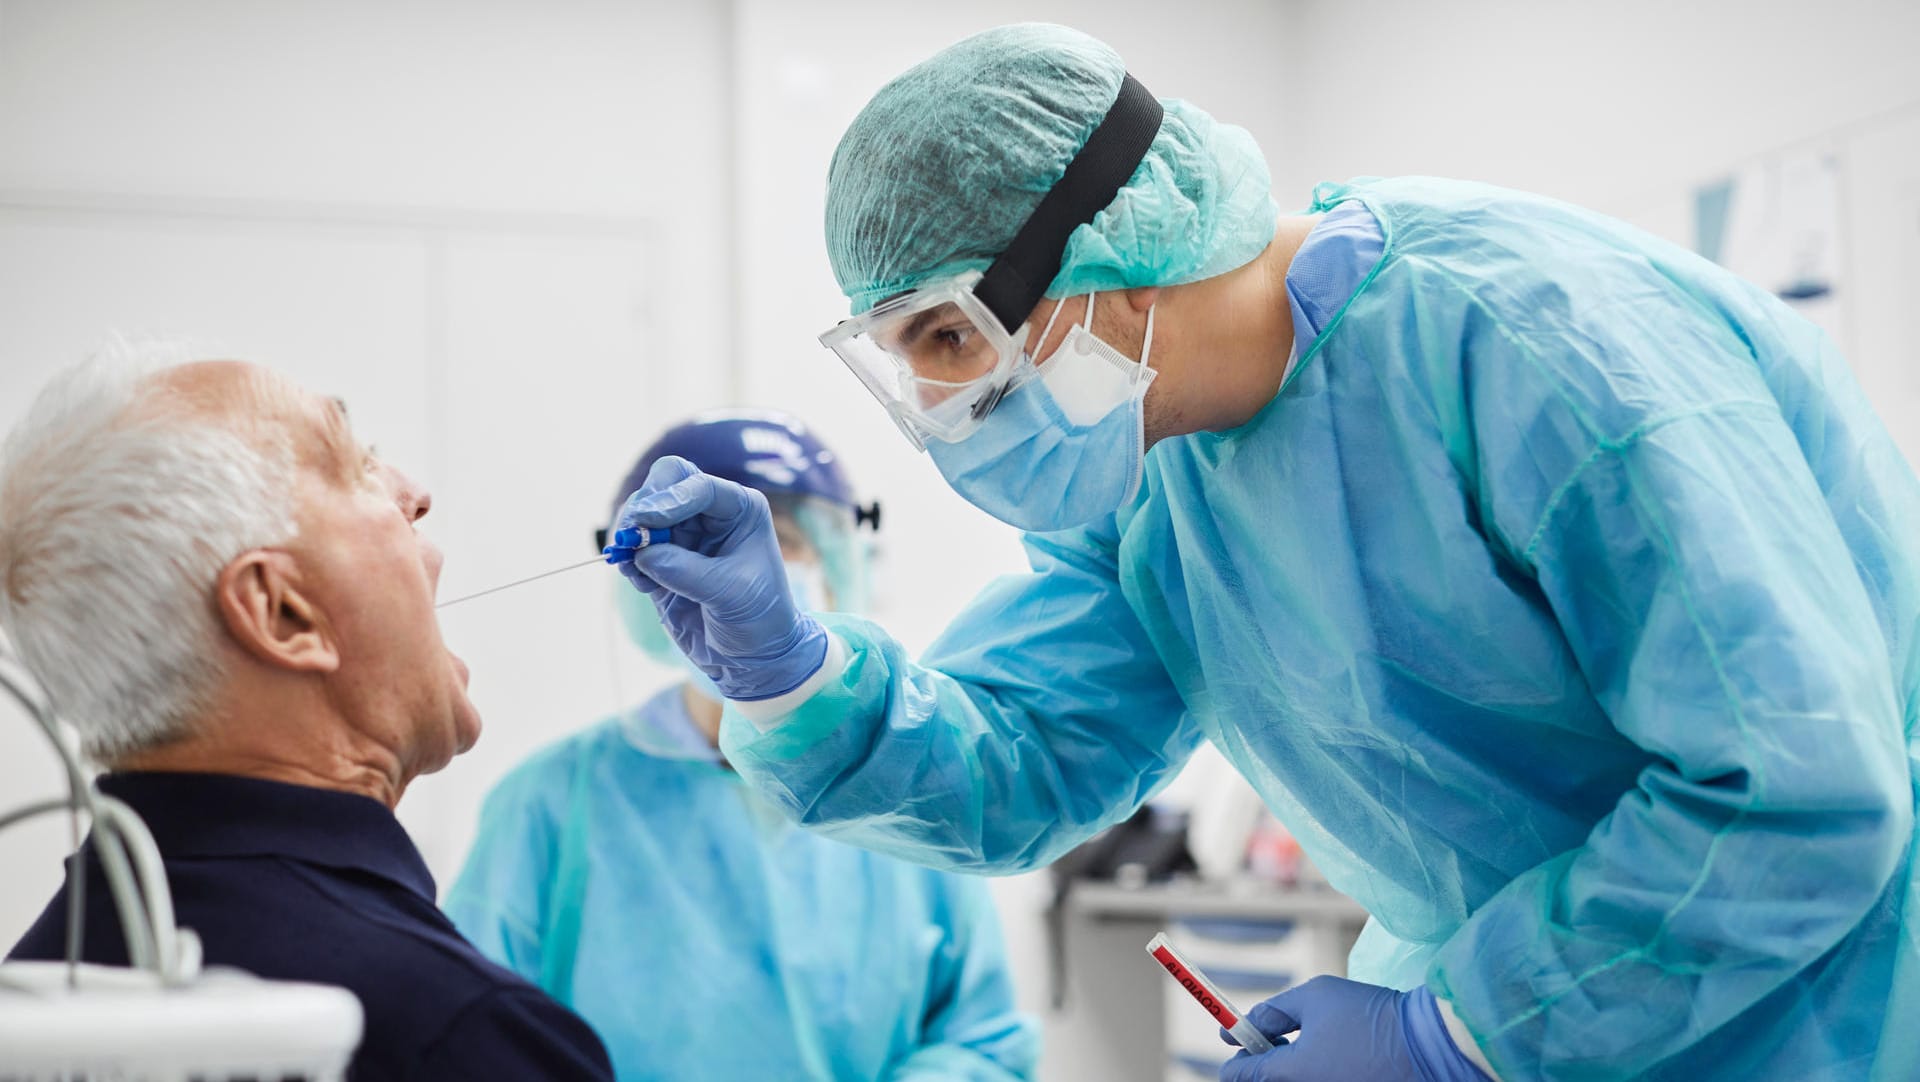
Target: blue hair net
939	171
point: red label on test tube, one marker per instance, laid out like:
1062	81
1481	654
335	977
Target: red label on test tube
1198	988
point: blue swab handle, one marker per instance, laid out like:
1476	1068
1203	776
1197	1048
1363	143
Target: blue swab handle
629	541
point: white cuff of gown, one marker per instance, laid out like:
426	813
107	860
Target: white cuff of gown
766	714
1463	1040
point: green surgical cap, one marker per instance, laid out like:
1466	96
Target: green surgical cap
943	166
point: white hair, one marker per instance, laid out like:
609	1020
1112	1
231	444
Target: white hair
114	525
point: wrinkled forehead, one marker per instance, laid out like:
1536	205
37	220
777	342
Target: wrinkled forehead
264	407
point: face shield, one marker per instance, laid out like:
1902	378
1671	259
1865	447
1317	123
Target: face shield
844	553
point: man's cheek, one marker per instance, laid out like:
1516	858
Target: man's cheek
393	552
431	559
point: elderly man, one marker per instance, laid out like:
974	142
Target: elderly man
226	592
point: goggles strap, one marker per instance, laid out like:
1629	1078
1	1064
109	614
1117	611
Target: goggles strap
1020	275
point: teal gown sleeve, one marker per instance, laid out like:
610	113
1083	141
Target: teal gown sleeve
1717	614
1041	716
971	1028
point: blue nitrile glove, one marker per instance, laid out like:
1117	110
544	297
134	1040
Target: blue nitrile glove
719	585
1351	1032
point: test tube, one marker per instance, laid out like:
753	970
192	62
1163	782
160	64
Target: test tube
1202	990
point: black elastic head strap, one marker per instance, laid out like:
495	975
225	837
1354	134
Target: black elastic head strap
1019	277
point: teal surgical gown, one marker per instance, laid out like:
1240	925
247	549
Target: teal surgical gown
703	936
1564	602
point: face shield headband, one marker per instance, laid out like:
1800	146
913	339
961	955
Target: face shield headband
1019	277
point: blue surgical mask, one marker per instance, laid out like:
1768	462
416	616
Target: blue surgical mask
1067	446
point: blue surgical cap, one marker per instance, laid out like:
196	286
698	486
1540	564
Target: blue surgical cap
943	166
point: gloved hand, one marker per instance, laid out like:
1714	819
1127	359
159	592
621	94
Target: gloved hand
719	585
1351	1032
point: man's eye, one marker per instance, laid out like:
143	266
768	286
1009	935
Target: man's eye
954	338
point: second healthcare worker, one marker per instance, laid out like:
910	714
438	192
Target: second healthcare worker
1559	590
630	873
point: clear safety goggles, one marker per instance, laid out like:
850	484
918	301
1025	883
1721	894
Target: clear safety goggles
935	358
941	357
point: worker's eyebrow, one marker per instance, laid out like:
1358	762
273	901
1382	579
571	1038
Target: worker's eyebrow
907	336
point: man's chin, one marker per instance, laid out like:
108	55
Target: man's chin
466	718
466	726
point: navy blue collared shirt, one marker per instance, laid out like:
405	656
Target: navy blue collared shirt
295	883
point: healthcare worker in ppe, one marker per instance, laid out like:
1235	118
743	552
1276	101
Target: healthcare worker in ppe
1558	590
631	874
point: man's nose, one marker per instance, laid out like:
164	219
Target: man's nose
412	497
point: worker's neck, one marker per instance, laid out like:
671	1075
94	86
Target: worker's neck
705	712
1227	341
294	736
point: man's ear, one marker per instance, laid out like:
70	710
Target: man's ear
261	604
1141	298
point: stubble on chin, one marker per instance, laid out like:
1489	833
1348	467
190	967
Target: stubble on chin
1160	419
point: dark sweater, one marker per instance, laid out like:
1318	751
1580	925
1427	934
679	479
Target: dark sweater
294	883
